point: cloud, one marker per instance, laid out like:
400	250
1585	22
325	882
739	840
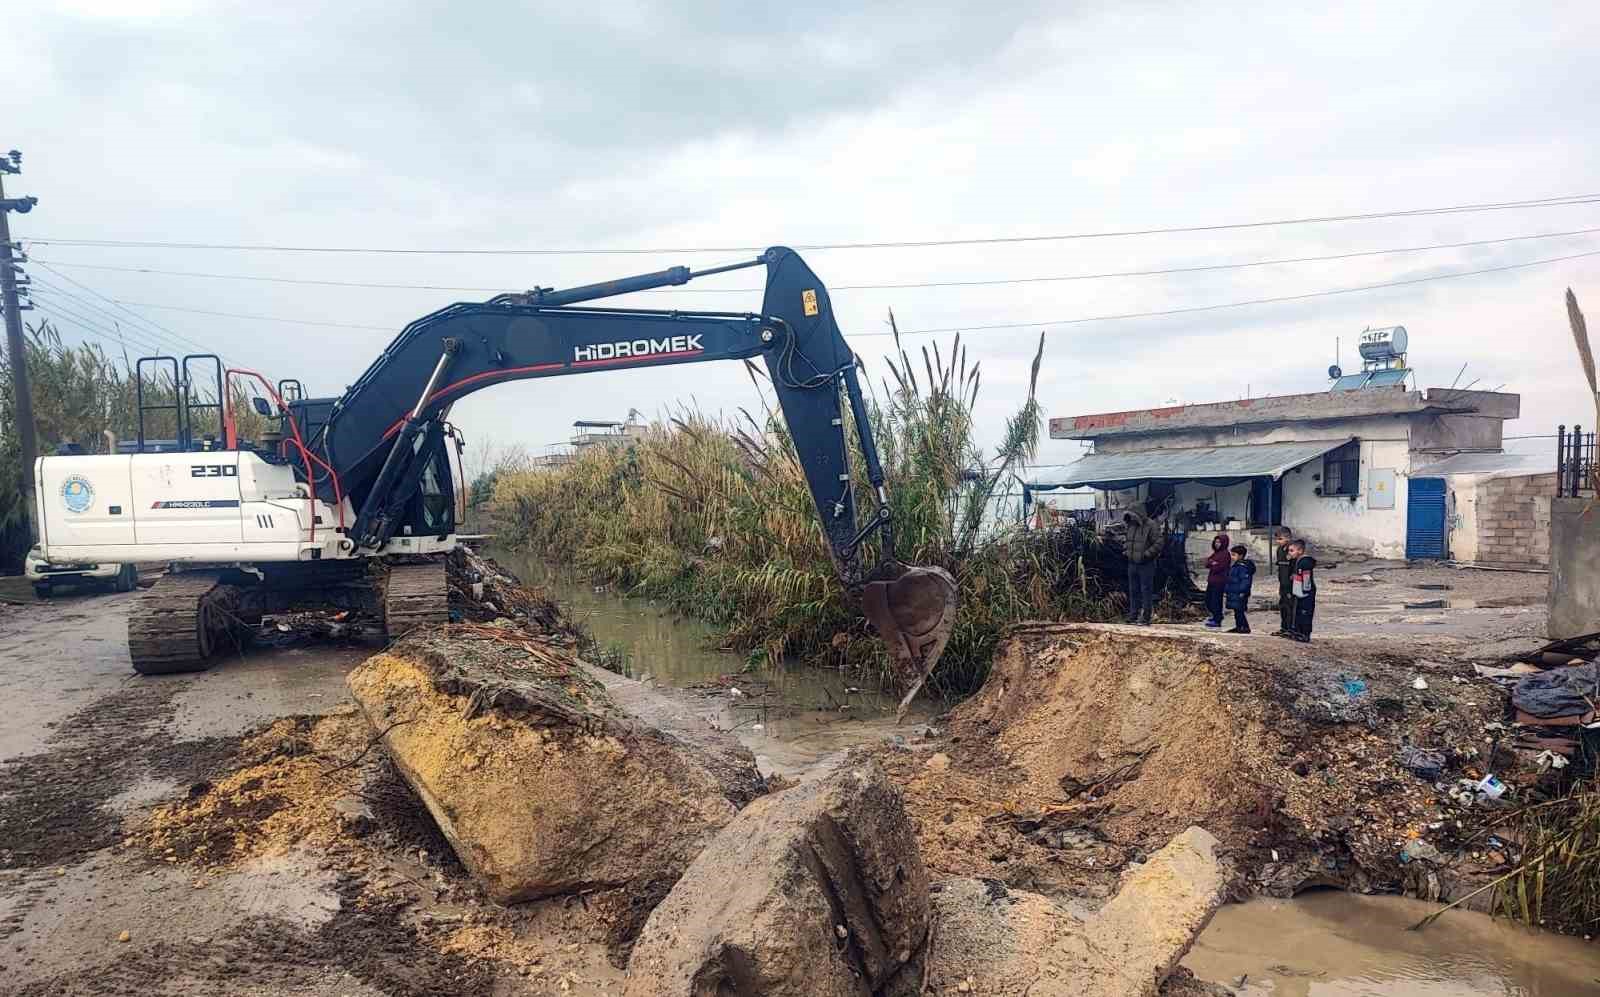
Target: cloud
646	124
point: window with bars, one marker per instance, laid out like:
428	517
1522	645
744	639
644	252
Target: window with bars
1341	470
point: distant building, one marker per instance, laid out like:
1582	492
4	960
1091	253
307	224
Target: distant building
591	432
1374	468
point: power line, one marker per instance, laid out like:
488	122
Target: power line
1164	271
1546	202
164	342
62	313
184	340
1234	304
258	318
1005	325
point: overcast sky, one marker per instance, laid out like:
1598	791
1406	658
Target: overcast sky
632	124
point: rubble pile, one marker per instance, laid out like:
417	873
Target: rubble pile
482	591
1091	745
817	891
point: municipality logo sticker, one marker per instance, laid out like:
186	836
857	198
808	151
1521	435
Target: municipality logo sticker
77	494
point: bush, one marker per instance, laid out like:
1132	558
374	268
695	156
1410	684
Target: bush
716	520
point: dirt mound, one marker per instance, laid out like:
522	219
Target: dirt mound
1091	745
282	793
543	782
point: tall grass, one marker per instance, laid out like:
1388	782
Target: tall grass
715	518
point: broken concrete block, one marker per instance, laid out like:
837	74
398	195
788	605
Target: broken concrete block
818	891
1002	941
541	779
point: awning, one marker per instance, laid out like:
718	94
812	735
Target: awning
1207	465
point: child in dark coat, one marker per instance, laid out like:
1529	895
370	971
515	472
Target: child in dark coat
1305	591
1285	565
1241	576
1217	565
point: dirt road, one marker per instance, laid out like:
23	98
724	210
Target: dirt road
227	899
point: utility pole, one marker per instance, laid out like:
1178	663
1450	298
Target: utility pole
10	259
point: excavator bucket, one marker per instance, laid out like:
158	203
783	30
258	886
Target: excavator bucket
914	613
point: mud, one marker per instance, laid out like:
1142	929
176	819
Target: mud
1094	744
58	804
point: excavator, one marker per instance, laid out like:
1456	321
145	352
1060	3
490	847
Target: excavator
353	501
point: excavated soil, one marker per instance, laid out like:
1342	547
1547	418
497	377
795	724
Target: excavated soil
1092	745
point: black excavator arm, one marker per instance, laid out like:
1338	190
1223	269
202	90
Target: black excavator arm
370	436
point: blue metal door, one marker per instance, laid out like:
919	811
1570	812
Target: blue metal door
1425	518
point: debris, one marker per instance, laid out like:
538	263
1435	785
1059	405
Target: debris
939	761
1490	788
1559	692
995	940
1354	687
1515	671
1418	850
1429	604
1421	762
788	874
1419	683
1550	760
125	936
539	774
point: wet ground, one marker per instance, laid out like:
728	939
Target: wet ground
1332	944
88	747
789	717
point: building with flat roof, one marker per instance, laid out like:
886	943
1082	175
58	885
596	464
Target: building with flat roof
1365	467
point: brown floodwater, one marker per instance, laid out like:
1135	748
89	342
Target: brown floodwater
1332	944
790	717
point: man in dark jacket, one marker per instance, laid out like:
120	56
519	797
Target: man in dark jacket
1285	565
1143	548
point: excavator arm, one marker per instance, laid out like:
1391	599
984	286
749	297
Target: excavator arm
370	437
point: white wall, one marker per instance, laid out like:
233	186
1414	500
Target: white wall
1461	515
1345	522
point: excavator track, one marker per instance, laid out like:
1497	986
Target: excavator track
416	595
182	622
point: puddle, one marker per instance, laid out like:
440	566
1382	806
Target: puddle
1333	944
789	717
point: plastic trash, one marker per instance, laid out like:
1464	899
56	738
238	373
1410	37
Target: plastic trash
1419	683
1550	760
1354	687
1490	788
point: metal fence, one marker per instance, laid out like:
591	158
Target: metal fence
1576	467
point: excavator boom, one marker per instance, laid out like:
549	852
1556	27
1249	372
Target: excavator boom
367	437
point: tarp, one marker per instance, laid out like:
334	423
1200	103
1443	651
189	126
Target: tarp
1207	465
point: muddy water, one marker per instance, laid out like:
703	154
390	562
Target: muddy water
1332	944
790	717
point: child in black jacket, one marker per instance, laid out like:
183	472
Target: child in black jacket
1305	591
1241	576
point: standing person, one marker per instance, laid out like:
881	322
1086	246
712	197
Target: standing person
1143	547
1305	591
1285	565
1241	576
1217	565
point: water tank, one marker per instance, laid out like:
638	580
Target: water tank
1383	344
